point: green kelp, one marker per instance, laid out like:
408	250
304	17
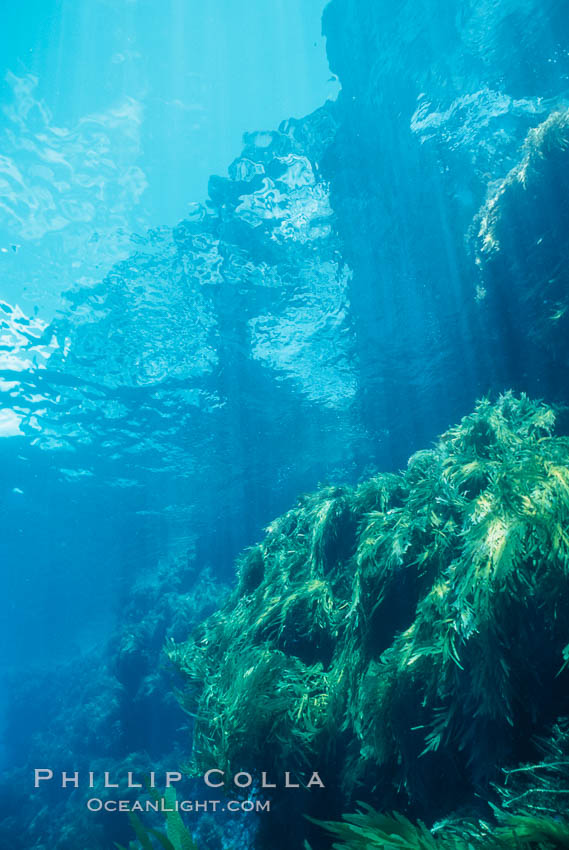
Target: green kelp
520	236
176	837
370	830
417	614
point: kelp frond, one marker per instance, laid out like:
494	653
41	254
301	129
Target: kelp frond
176	837
370	830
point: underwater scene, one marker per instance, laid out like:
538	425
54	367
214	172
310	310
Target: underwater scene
284	425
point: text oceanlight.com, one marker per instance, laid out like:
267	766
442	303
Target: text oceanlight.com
95	804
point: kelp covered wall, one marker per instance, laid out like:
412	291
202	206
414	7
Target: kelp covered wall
411	628
521	234
358	278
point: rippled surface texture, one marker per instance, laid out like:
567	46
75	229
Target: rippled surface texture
356	280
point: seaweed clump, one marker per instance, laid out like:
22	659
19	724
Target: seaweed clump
412	627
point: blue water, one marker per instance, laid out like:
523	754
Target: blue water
183	354
114	117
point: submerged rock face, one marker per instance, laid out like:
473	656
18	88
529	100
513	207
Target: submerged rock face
410	628
436	101
424	44
522	235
